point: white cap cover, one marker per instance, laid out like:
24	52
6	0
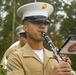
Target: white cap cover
19	29
35	9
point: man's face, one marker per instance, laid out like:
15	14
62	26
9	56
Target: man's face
34	30
22	40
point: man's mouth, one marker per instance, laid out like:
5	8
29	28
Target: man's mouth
41	31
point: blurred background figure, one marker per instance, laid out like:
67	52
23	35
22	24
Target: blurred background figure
22	39
17	42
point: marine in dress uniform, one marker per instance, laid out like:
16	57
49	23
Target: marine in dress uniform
33	58
22	39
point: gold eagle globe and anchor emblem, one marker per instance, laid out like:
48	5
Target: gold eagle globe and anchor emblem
44	6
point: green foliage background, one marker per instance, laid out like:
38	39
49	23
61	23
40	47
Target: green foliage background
67	24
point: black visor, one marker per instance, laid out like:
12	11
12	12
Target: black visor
23	35
36	18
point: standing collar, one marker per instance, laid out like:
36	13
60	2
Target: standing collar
28	51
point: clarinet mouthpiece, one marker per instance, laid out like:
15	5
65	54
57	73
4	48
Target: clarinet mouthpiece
43	34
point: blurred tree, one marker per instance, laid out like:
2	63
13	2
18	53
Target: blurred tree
68	27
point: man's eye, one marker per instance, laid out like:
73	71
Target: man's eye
40	22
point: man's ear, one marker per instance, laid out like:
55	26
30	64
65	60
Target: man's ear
25	28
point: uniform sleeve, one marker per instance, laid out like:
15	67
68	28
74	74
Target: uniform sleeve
6	54
14	65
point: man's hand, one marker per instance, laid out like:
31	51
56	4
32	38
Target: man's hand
63	68
65	58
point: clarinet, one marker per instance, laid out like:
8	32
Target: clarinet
52	46
54	49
